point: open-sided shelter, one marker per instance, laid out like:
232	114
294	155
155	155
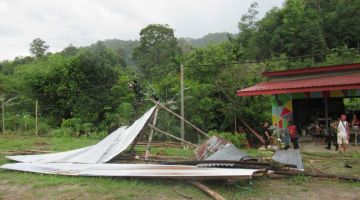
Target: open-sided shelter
303	94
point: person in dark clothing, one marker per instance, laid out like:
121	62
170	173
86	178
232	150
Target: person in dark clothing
294	137
267	133
332	136
328	139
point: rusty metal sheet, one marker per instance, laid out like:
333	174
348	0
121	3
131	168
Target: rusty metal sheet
217	148
210	146
133	170
102	152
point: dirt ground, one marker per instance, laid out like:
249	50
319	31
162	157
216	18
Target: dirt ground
309	146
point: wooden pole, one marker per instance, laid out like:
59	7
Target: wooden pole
148	146
36	118
207	190
3	116
174	137
182	131
254	132
178	116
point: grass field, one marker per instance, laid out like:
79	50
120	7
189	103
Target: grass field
19	185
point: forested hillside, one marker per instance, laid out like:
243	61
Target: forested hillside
92	90
126	47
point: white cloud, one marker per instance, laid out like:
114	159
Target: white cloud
82	22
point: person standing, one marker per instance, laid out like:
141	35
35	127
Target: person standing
333	134
343	133
355	126
294	137
267	134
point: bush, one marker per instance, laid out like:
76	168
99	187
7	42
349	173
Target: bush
43	128
61	132
98	135
77	128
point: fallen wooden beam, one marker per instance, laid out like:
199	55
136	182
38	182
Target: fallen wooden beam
254	132
178	116
168	134
180	193
207	190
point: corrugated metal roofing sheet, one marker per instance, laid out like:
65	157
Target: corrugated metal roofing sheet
290	156
210	146
329	83
102	152
217	148
133	170
228	153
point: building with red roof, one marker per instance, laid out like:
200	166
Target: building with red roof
307	94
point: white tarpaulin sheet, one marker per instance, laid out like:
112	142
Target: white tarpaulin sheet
101	152
133	170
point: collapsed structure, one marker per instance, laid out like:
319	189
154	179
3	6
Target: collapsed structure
217	159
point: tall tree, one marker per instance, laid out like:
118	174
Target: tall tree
157	50
299	32
38	47
247	28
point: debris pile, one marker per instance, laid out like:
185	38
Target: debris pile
217	158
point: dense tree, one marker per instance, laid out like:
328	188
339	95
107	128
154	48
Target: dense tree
74	87
293	30
299	32
38	47
247	28
157	50
342	24
70	50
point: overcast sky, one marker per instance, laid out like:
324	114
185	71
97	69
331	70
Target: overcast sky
82	22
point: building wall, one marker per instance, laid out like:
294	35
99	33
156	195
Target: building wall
282	108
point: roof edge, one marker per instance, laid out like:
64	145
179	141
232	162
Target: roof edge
297	90
312	70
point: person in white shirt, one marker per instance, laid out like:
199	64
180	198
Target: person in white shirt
343	134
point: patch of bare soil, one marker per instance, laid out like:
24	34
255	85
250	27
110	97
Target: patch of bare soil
41	144
9	191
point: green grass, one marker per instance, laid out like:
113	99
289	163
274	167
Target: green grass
300	179
39	186
93	187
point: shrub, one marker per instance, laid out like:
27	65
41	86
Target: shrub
77	128
61	132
